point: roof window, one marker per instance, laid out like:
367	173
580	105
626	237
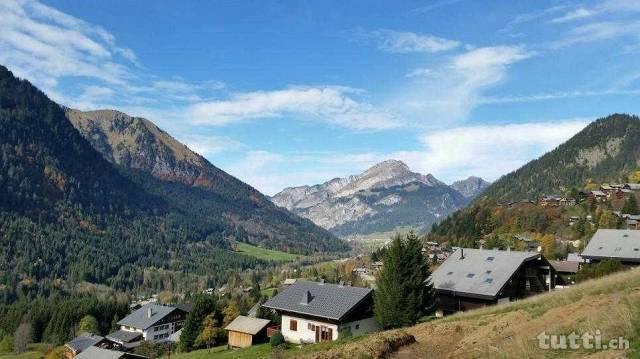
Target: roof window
470	275
488	280
490	259
450	273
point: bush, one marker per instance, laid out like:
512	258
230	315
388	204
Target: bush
276	340
598	270
6	344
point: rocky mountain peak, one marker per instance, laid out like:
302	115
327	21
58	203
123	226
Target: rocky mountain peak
470	187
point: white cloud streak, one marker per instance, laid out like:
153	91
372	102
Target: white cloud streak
454	89
404	42
334	105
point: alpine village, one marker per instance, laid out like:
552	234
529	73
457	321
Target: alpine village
119	240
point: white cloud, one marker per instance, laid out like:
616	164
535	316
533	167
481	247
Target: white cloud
208	145
488	151
420	72
411	42
43	44
598	31
454	89
559	95
624	7
576	14
334	105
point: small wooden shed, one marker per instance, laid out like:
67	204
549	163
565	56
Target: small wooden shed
245	331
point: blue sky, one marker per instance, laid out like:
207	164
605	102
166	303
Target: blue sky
297	92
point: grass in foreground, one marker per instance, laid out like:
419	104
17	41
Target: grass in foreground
610	305
34	351
266	254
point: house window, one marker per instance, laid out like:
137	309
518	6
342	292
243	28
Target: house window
325	334
312	327
293	325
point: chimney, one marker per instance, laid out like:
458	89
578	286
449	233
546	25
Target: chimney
306	298
461	253
321	281
149	312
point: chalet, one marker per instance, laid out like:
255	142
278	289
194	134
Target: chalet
632	186
82	342
99	353
245	331
565	272
619	244
472	278
152	322
550	201
567	201
314	312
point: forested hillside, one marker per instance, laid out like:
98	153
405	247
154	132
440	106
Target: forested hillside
66	213
606	150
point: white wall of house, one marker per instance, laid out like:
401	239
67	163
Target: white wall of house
155	333
362	326
303	334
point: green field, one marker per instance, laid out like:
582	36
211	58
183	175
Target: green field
35	351
221	352
266	254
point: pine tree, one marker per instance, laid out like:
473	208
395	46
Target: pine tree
404	293
203	305
388	297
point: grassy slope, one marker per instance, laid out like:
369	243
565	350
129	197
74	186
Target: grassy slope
266	254
35	351
610	304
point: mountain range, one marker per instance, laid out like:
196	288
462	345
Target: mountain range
115	195
385	197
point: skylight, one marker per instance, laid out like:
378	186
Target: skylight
470	275
450	273
490	259
488	280
488	272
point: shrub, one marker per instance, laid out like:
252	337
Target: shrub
6	344
276	340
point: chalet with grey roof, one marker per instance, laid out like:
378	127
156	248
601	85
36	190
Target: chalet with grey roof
472	278
618	244
316	311
151	322
82	342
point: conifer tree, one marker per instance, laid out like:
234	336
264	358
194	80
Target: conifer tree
403	292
